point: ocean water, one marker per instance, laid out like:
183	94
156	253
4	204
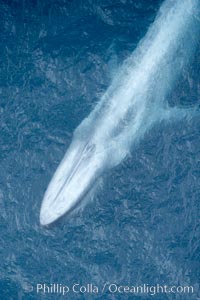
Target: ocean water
142	226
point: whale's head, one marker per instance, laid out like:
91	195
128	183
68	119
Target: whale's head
78	170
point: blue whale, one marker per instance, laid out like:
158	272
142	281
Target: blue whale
133	103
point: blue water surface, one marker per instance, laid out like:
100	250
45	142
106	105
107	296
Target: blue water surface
142	227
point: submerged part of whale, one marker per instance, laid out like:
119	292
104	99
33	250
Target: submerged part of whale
133	103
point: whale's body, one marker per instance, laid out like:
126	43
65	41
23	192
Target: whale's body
130	106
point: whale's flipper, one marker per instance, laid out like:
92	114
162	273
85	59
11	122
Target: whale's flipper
112	58
174	114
